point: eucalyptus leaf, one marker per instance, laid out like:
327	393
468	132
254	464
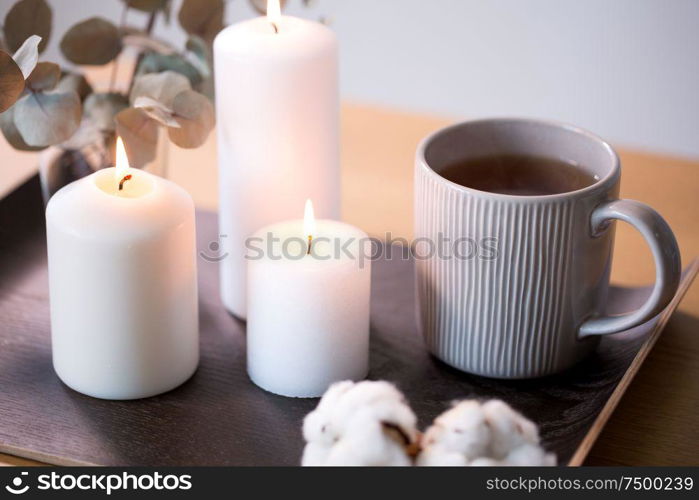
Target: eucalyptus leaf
261	5
27	55
198	46
197	54
44	119
88	134
44	77
162	87
156	63
11	81
75	82
140	135
94	41
102	108
12	135
200	65
203	18
156	110
27	18
146	5
195	114
207	88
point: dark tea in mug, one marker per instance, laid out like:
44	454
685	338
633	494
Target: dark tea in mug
521	175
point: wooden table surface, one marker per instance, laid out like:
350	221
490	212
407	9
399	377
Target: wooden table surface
657	420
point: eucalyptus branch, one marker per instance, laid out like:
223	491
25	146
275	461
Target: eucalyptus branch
115	64
80	117
151	21
148	31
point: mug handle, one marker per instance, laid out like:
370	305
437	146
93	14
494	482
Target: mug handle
666	255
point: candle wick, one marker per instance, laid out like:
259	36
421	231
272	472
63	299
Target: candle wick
310	239
121	183
276	29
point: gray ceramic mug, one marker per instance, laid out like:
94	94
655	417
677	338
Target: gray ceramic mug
534	304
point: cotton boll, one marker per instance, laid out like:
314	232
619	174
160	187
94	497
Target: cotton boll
386	402
317	429
529	454
334	393
509	428
315	454
368	423
437	456
462	430
487	434
367	443
317	426
484	462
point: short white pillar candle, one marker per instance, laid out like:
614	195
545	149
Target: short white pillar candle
308	314
123	284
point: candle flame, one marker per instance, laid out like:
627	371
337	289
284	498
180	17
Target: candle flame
309	220
274	11
122	161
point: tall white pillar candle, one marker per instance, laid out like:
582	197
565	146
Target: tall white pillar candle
277	125
308	315
123	284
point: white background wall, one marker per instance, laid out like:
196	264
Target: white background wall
626	69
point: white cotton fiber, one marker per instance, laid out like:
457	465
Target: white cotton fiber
367	423
371	424
482	434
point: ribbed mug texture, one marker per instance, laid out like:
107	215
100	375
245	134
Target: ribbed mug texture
515	315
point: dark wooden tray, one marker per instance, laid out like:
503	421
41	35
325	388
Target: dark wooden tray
219	417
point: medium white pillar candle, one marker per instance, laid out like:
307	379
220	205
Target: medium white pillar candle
308	315
123	284
277	125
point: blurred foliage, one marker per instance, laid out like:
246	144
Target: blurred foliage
43	105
